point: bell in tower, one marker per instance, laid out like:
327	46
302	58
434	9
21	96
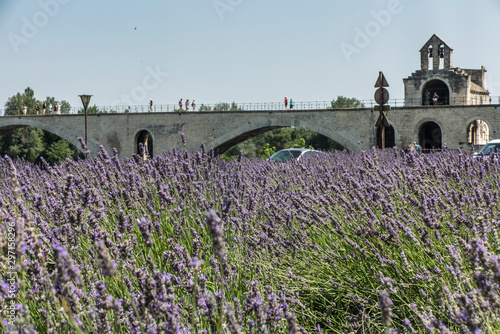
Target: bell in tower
435	55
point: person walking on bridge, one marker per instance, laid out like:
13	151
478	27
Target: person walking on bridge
291	103
150	105
286	103
187	105
37	108
180	105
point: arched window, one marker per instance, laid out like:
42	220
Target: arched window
478	132
389	137
144	143
441	56
430	53
429	136
439	88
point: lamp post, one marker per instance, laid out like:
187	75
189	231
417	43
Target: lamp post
85	101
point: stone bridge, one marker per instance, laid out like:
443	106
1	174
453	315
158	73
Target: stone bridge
431	126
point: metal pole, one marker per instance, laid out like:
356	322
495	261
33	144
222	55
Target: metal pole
382	136
86	142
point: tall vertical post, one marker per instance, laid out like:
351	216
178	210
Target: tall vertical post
381	110
381	98
85	101
86	127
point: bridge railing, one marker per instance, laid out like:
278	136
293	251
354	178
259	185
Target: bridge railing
272	106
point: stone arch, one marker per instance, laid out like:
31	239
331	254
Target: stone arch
225	142
441	54
430	54
7	125
438	86
145	138
390	137
478	130
430	134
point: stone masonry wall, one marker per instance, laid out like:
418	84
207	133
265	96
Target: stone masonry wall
352	128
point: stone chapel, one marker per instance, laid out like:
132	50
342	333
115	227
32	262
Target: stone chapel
437	82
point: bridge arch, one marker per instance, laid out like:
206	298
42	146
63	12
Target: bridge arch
438	86
225	142
7	125
430	135
390	137
470	136
145	138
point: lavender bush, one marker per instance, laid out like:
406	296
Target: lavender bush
188	243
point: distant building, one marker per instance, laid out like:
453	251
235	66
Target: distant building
437	75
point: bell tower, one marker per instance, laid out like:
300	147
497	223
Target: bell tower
436	55
437	82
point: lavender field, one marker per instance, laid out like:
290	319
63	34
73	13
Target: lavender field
375	242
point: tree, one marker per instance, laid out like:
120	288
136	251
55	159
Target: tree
267	151
345	102
300	143
28	142
65	107
50	139
205	108
16	103
224	106
90	110
58	151
24	143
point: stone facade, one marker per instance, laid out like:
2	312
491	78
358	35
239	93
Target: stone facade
452	85
352	128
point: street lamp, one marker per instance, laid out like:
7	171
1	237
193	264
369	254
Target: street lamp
85	101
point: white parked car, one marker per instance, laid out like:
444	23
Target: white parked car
293	153
491	146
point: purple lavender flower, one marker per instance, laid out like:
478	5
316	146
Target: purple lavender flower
217	234
386	307
108	267
146	228
65	268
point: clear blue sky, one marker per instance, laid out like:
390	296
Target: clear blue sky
232	50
